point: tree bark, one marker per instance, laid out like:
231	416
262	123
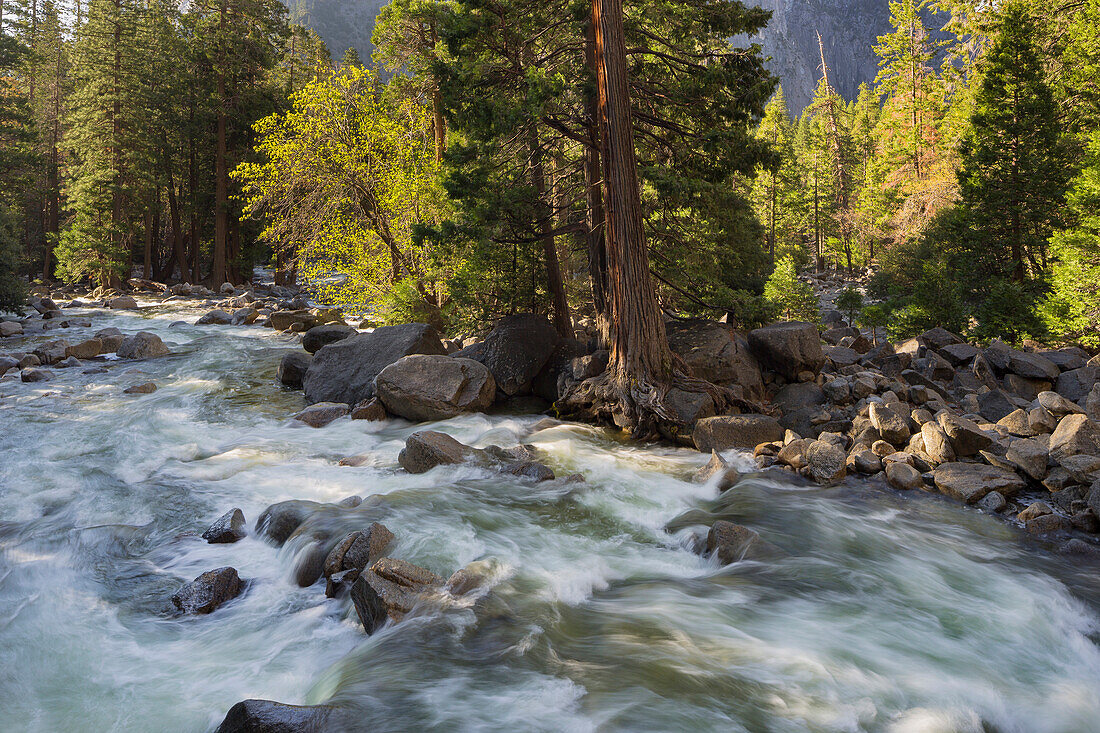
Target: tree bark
593	185
221	172
563	324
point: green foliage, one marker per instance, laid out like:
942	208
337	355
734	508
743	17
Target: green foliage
874	317
13	291
1007	312
849	301
794	299
748	310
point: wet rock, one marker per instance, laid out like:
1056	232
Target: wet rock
322	413
735	431
279	521
1075	435
993	502
530	469
35	375
143	388
427	449
1035	509
904	477
388	590
371	409
344	371
717	466
358	550
515	351
424	387
208	591
228	528
732	543
325	334
970	482
123	302
292	368
85	349
825	462
966	437
1048	524
215	317
788	348
308	564
142	345
268	716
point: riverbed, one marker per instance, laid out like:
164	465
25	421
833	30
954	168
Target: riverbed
882	611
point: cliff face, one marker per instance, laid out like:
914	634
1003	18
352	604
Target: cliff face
848	27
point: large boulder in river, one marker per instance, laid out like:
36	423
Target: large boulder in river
207	592
345	371
788	348
515	351
732	543
279	521
735	431
427	449
715	352
292	368
122	302
389	590
325	334
970	482
431	387
142	345
227	529
358	550
268	716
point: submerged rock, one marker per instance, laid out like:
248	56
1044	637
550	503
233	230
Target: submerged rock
268	716
36	375
717	466
427	449
228	528
280	520
208	591
389	590
358	550
143	388
731	543
322	413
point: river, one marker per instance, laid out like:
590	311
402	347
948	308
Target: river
885	612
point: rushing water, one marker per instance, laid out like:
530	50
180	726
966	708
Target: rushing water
885	612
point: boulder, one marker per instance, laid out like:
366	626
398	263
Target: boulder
427	449
268	716
556	374
893	428
371	409
965	435
325	334
992	502
1075	435
228	528
358	550
825	462
1058	405
1032	366
245	316
1017	423
937	445
308	564
215	317
715	352
1076	384
735	431
866	462
904	477
322	413
430	387
142	345
143	388
292	368
388	590
958	354
10	328
301	320
1035	509
788	348
841	356
530	469
717	466
995	404
279	521
207	592
732	543
85	349
344	371
35	375
1048	524
1031	455
969	482
515	351
122	302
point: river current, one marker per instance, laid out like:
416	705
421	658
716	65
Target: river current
884	612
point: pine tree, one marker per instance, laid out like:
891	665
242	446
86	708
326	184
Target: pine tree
1014	170
776	187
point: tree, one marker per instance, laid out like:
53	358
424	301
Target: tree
1014	169
850	301
794	298
776	187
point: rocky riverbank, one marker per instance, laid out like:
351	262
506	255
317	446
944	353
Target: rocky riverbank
1012	432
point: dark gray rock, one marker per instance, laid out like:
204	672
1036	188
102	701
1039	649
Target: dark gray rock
358	550
427	449
268	716
325	334
715	352
36	375
995	404
959	354
788	348
531	469
208	591
388	590
215	317
228	528
292	368
1076	384
309	564
322	413
344	371
515	351
279	521
1032	366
